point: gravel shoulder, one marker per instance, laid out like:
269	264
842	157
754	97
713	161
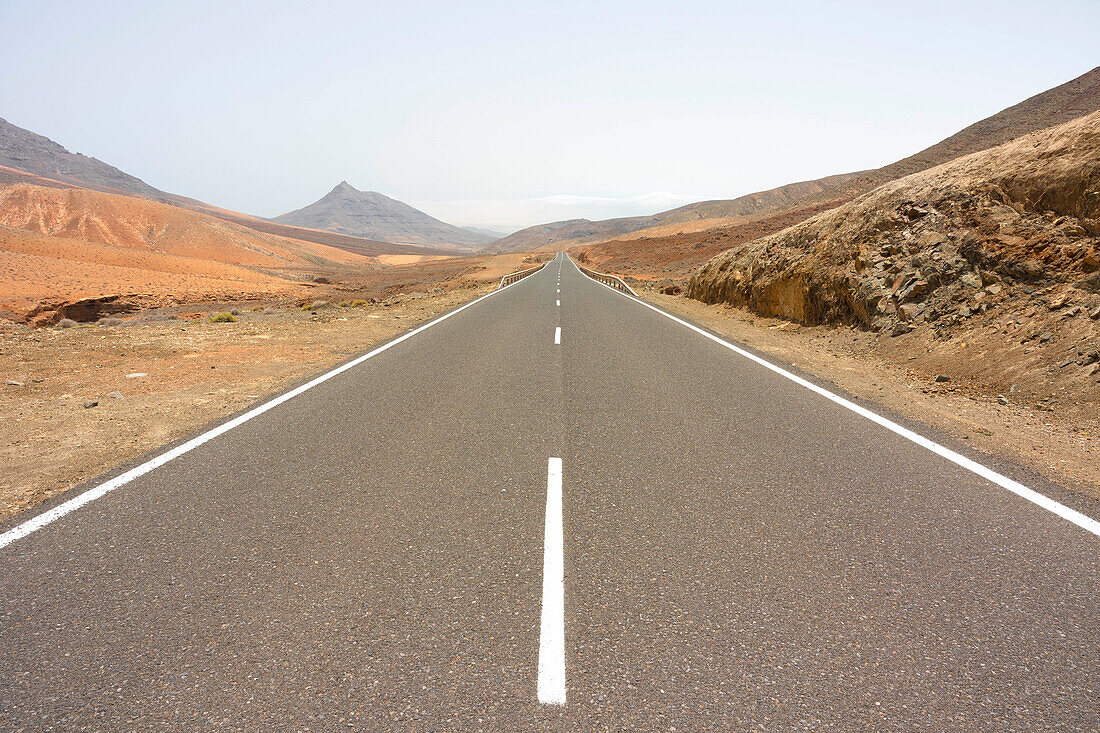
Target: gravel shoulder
1057	437
161	375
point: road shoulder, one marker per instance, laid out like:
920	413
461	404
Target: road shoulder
1063	448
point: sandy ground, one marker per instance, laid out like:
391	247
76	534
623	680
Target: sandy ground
1059	440
162	375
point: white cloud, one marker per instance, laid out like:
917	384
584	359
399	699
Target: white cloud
512	214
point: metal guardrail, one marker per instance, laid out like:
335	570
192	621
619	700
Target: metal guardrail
613	281
517	276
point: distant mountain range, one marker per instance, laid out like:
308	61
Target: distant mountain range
346	218
492	233
1062	103
28	151
73	228
347	210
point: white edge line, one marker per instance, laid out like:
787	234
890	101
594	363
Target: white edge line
59	511
551	678
1071	515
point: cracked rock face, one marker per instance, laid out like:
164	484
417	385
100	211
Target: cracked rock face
1020	221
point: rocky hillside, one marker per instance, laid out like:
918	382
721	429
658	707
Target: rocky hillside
1054	106
1013	231
347	210
33	153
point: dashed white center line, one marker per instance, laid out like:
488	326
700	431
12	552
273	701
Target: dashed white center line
557	335
558	302
551	682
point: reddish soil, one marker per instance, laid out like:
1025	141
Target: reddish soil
674	256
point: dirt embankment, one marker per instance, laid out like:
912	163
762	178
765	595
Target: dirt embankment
80	401
999	248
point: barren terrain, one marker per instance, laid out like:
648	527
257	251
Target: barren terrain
81	254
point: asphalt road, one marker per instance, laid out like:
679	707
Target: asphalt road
734	551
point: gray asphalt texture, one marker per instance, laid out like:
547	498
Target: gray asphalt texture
740	553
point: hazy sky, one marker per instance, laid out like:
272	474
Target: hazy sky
495	114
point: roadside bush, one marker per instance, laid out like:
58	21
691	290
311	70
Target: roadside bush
359	303
235	312
223	318
319	304
109	321
66	323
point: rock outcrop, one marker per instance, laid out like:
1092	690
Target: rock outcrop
1021	220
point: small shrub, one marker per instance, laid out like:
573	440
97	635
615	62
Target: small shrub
343	304
235	312
359	303
66	323
319	304
109	321
223	318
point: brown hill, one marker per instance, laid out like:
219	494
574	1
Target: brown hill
27	157
669	257
1054	106
58	244
984	271
990	230
34	153
45	277
126	221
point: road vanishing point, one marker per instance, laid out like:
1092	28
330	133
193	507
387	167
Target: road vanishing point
556	508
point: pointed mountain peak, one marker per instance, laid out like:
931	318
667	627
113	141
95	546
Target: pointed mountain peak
369	214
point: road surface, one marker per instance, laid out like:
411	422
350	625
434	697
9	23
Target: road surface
556	509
